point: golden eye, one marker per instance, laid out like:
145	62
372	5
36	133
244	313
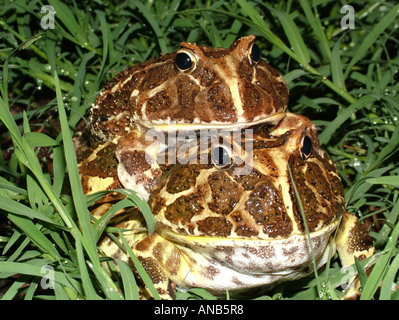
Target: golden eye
307	147
185	61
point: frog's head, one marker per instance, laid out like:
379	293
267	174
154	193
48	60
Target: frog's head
254	187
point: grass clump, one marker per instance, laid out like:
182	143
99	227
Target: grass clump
345	80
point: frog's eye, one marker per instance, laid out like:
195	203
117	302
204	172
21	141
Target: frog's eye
255	54
185	61
307	147
221	157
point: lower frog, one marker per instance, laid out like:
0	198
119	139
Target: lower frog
245	211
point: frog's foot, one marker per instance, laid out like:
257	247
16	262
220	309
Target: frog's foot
132	221
352	241
163	262
138	167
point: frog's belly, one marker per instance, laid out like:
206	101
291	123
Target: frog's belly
226	264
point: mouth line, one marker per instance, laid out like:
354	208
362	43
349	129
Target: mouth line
163	125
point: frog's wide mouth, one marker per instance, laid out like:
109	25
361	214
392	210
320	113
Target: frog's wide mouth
214	241
168	125
259	256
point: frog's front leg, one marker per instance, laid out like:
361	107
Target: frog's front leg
352	241
138	162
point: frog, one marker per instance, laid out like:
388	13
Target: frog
194	88
259	203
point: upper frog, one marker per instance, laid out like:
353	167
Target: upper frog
195	87
192	89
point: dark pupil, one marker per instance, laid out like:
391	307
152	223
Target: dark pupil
221	156
255	53
307	146
183	61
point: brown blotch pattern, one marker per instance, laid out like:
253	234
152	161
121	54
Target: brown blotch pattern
206	77
215	227
153	269
134	161
266	206
157	75
321	204
359	239
221	103
158	103
145	244
187	91
210	272
181	179
225	193
248	181
185	207
242	228
105	164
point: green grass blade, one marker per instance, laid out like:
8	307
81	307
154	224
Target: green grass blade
314	21
142	205
391	218
344	115
58	169
77	106
101	223
27	157
143	274
32	231
371	37
258	23
154	25
361	272
36	270
33	285
14	288
107	285
87	282
389	279
130	288
390	180
318	283
88	238
387	151
294	37
66	15
336	67
60	292
381	267
19	209
37	139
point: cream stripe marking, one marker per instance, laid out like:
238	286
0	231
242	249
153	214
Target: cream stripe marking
232	83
